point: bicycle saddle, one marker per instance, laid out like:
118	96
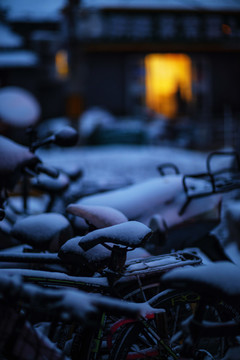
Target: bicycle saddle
214	280
88	262
50	185
14	158
43	231
130	234
96	215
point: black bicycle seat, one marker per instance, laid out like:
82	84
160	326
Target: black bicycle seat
214	280
43	231
130	234
13	159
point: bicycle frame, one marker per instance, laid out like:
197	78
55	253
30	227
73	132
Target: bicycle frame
136	273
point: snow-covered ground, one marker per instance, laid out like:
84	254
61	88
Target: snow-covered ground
132	162
117	163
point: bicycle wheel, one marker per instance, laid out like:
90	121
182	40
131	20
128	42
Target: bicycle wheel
216	347
135	341
143	292
141	340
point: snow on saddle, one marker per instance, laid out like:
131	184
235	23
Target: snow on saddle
43	231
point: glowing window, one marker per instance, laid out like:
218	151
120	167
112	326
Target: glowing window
168	82
61	62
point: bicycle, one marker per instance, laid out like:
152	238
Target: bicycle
19	163
136	281
22	306
211	331
150	281
217	285
175	204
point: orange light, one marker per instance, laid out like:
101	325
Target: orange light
226	29
167	76
61	63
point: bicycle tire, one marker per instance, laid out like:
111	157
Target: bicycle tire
123	346
132	343
217	347
132	340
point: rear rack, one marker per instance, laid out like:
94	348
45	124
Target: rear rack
219	181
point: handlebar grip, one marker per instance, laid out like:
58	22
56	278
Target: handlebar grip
48	170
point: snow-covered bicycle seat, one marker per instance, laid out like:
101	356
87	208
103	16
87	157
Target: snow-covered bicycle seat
88	250
131	234
51	185
97	215
47	231
86	262
218	280
13	159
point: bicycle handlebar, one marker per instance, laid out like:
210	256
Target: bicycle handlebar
65	137
68	304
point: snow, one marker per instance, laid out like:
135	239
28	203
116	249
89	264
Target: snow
139	165
92	304
138	253
43	10
170	4
66	302
98	216
12	154
43	230
8	39
162	195
13	158
131	234
137	200
71	251
18	107
132	162
18	58
46	10
49	184
162	261
220	278
56	276
92	118
136	164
